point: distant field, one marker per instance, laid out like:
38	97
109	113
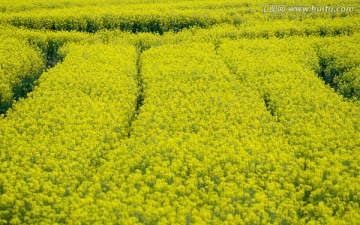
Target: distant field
179	112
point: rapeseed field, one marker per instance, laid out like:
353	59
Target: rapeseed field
179	112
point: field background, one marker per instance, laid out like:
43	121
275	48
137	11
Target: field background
179	112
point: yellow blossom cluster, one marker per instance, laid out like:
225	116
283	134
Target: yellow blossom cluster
54	140
199	153
20	65
340	61
156	15
322	128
